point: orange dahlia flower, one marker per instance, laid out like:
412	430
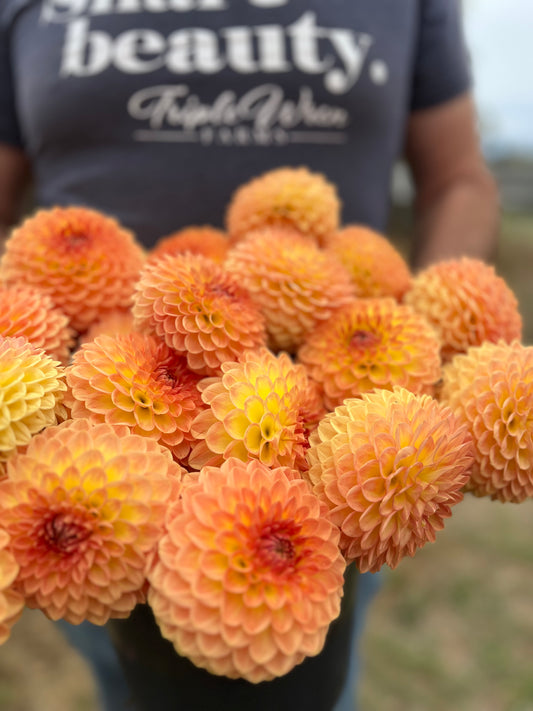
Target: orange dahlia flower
11	601
490	389
376	268
372	343
85	507
137	381
467	303
26	311
199	310
389	465
262	407
249	574
285	197
204	240
115	323
85	261
294	283
32	387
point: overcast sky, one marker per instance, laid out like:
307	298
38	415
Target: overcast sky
500	37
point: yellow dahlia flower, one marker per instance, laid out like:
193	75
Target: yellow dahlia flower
490	389
294	283
372	343
285	197
249	574
198	309
11	601
376	268
204	240
137	381
29	312
85	261
31	390
262	407
85	507
467	303
389	465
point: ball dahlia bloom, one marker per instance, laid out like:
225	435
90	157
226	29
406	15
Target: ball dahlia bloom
490	389
249	574
11	601
376	268
204	240
198	309
119	322
467	303
29	312
85	261
389	466
285	197
32	387
84	508
262	407
371	343
136	381
294	283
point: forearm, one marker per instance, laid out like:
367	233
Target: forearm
14	179
460	219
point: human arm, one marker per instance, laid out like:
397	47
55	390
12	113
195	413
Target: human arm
14	179
456	204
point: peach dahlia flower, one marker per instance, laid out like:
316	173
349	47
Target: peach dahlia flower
84	260
467	303
204	240
262	407
389	465
137	381
375	266
249	574
119	322
285	197
11	601
198	309
29	312
490	389
371	343
295	284
84	507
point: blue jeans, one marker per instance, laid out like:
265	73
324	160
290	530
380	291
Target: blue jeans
94	644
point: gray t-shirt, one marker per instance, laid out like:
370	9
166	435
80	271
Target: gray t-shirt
156	110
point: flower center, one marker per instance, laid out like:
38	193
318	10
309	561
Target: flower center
63	535
75	241
362	339
275	546
166	375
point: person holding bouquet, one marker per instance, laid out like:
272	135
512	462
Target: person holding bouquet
154	111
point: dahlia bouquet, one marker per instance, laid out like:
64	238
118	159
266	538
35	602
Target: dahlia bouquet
218	427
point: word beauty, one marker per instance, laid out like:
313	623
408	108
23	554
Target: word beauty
335	53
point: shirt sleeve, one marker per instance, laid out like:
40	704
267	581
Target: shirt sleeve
442	63
9	126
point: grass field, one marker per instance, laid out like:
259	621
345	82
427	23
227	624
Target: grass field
451	630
